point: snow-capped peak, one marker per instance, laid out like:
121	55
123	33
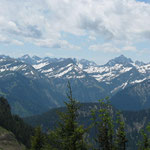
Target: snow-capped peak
36	58
87	63
119	60
139	63
25	56
115	73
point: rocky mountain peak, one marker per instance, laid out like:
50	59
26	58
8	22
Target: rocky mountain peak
119	60
27	59
36	58
87	63
139	63
25	56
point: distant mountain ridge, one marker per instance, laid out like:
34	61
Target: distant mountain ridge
33	85
136	97
115	75
119	60
134	121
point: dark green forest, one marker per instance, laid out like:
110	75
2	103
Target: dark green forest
15	124
103	129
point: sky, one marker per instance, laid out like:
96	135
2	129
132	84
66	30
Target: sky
97	30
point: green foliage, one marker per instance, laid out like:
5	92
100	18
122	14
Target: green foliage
107	137
38	140
69	135
121	139
104	126
15	124
144	144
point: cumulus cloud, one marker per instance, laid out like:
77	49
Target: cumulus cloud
106	47
50	43
42	22
92	38
109	47
5	40
129	48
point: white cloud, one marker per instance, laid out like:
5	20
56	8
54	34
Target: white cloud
6	40
50	43
110	47
42	21
91	37
129	48
106	47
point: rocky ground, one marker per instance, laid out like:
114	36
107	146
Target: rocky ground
8	141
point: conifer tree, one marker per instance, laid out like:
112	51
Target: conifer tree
144	143
38	140
108	137
120	135
104	125
69	135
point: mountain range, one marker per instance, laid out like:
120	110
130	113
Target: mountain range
135	97
33	85
135	121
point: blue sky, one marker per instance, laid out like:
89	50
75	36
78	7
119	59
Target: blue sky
97	30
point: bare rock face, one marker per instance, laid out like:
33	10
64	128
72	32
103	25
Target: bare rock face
8	141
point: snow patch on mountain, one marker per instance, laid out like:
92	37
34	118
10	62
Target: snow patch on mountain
117	74
138	81
64	72
40	65
122	86
2	60
107	73
47	71
125	69
143	69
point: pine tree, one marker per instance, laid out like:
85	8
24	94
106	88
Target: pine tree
108	137
38	140
104	126
120	135
69	135
144	143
